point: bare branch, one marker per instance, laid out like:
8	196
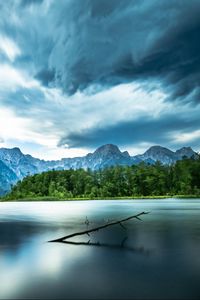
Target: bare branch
138	218
98	228
87	221
122	225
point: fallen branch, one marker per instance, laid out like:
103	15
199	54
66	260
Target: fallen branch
99	228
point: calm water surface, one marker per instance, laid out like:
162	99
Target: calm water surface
160	257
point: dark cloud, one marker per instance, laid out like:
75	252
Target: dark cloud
46	77
76	44
111	42
93	45
132	133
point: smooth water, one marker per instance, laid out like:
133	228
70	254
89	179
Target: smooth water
160	257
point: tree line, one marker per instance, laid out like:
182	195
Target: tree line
181	178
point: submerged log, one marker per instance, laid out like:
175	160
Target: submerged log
119	222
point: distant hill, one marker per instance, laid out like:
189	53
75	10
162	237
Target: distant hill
14	165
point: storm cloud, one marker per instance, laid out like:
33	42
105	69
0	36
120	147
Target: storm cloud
78	44
158	131
102	71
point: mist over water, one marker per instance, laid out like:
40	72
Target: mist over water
160	258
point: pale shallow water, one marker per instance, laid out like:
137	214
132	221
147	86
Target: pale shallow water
160	258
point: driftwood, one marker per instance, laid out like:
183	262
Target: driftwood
62	239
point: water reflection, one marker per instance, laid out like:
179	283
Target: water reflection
32	268
120	247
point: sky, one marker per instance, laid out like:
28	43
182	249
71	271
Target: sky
77	74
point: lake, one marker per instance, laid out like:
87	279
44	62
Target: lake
156	258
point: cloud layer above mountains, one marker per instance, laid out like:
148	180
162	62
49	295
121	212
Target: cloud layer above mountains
83	73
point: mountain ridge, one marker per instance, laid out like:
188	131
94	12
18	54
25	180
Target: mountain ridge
14	165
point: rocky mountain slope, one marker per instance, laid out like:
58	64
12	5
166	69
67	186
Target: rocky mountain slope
166	156
14	165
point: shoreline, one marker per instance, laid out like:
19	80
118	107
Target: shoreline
49	199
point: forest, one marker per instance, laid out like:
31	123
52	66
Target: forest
181	178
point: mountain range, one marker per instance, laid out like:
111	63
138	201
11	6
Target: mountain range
14	165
